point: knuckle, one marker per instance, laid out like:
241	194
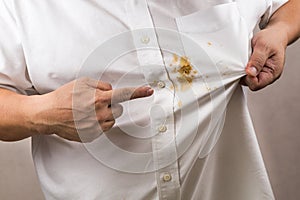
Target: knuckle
112	123
255	88
102	117
101	99
109	86
252	85
105	85
248	82
103	127
108	125
271	69
260	43
84	79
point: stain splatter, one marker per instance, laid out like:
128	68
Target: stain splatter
208	89
175	58
179	104
185	70
181	65
185	67
174	70
225	71
174	87
209	43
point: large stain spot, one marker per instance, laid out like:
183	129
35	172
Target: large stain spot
185	72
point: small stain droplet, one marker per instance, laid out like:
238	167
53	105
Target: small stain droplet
175	58
179	104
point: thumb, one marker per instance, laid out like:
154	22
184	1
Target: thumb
257	61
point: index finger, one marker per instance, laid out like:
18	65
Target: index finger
99	84
126	94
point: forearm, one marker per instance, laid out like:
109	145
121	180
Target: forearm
287	21
15	114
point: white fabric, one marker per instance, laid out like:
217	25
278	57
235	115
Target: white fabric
45	44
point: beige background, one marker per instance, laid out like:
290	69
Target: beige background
276	116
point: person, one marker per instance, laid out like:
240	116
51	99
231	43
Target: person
42	48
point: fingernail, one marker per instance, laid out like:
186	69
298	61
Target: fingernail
150	91
252	71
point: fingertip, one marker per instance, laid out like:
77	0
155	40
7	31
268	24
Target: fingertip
150	91
141	92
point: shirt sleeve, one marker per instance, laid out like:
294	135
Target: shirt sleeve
13	71
272	6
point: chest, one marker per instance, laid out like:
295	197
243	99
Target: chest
58	36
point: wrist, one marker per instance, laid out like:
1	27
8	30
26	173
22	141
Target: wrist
283	28
34	108
282	32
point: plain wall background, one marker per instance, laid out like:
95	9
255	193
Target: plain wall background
276	115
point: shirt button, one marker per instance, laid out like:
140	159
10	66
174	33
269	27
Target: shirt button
167	177
161	84
145	39
162	128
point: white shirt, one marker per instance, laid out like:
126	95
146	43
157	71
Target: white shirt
192	139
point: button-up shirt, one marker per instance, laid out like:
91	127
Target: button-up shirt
192	139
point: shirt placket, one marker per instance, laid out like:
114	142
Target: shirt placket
151	62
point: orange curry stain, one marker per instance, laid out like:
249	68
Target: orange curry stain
185	72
